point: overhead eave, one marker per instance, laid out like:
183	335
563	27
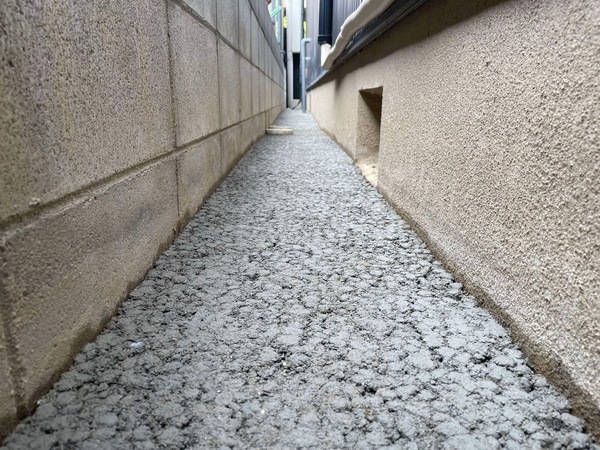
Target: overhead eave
363	37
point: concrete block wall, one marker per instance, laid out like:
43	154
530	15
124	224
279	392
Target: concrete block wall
117	121
489	147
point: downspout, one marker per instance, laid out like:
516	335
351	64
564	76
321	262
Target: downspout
303	59
364	14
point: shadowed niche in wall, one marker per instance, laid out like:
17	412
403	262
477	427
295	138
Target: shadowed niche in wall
368	128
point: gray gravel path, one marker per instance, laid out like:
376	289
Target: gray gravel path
297	310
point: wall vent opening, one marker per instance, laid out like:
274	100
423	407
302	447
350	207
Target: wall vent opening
368	132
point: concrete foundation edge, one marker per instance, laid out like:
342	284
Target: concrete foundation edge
541	358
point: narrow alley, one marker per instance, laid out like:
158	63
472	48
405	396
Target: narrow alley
297	310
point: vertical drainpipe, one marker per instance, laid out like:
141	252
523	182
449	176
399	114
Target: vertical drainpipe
303	59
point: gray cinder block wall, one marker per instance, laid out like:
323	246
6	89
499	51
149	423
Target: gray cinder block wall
490	146
117	120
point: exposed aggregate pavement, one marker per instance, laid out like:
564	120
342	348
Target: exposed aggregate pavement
297	310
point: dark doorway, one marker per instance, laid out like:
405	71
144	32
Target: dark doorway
297	84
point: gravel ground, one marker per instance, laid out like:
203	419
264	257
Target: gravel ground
297	310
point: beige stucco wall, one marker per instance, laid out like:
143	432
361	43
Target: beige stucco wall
116	124
490	147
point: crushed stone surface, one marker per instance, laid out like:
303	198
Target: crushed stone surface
297	310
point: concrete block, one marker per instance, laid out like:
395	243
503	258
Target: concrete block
255	90
198	170
262	92
271	64
274	94
248	133
282	97
207	9
67	271
245	28
8	409
252	130
229	84
271	115
263	15
279	74
262	48
231	146
259	125
256	5
271	39
274	44
227	21
246	89
268	93
83	95
276	70
256	34
195	79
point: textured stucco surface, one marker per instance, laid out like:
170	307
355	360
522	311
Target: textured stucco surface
81	99
110	140
8	407
489	145
338	118
195	76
